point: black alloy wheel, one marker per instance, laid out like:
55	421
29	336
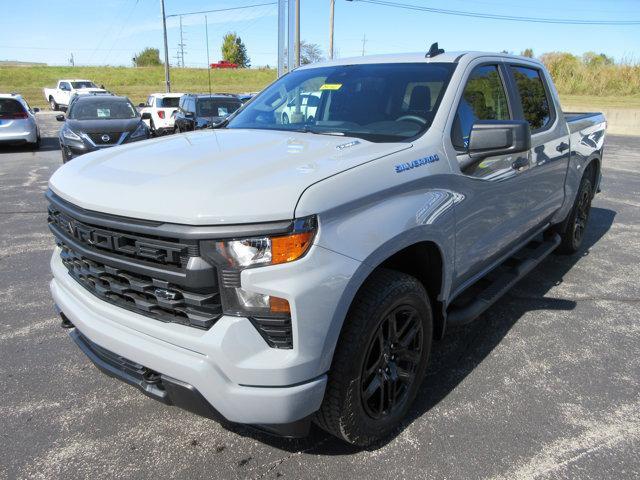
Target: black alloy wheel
391	362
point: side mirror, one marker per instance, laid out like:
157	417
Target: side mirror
146	116
189	115
498	137
60	118
36	109
142	105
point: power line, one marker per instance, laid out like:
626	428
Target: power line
220	10
460	13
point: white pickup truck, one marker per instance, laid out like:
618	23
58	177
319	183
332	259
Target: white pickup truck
59	97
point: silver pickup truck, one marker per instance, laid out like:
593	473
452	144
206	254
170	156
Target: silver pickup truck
275	273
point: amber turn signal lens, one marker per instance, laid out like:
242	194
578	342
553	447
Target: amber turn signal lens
289	248
279	305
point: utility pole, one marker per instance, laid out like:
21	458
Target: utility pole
297	50
181	45
281	35
291	16
167	79
71	61
332	6
364	41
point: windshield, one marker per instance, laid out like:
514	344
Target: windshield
214	107
83	85
377	102
168	102
102	109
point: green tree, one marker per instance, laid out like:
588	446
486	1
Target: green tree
310	53
528	52
596	59
149	57
233	50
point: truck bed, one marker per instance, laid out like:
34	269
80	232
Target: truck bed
581	120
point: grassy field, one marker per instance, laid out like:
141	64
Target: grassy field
136	83
580	87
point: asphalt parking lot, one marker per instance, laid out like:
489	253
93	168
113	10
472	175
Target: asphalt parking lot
546	384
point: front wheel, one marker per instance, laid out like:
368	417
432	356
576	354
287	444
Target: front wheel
380	359
54	106
285	119
572	237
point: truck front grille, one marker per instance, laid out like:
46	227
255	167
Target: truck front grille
142	294
136	265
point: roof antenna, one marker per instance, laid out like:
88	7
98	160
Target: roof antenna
434	51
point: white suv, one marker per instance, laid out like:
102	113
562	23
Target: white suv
161	107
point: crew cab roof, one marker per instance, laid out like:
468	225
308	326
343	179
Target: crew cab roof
415	57
74	80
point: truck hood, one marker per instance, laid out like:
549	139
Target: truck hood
227	176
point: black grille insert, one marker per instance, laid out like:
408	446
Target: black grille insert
147	248
275	331
143	294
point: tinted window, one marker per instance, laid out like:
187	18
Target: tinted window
168	102
102	109
484	98
378	102
9	107
65	86
214	107
533	96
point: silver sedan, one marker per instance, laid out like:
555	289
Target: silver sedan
18	121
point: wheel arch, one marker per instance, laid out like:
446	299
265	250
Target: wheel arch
432	273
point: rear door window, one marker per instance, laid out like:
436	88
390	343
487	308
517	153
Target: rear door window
484	98
533	97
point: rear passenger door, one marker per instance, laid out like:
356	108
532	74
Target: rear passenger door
549	140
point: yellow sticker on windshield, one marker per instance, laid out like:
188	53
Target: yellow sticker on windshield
331	86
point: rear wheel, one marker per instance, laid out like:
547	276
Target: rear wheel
36	145
380	359
285	118
54	106
572	237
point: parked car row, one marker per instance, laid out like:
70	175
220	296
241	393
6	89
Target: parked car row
96	118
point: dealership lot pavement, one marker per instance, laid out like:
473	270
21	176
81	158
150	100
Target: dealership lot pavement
546	384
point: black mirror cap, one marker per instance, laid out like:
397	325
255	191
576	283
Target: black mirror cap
499	137
146	116
36	109
142	105
60	118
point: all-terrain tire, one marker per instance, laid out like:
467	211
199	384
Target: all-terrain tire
573	234
344	413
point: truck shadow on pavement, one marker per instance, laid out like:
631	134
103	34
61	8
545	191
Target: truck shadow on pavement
462	349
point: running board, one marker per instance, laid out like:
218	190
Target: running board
463	315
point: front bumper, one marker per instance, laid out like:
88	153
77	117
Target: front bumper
230	365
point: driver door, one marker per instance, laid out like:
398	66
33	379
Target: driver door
494	213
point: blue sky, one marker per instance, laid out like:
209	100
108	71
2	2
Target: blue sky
102	32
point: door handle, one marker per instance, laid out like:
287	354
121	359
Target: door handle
520	163
562	147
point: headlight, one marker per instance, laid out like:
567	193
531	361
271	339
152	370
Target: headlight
141	131
70	134
233	256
